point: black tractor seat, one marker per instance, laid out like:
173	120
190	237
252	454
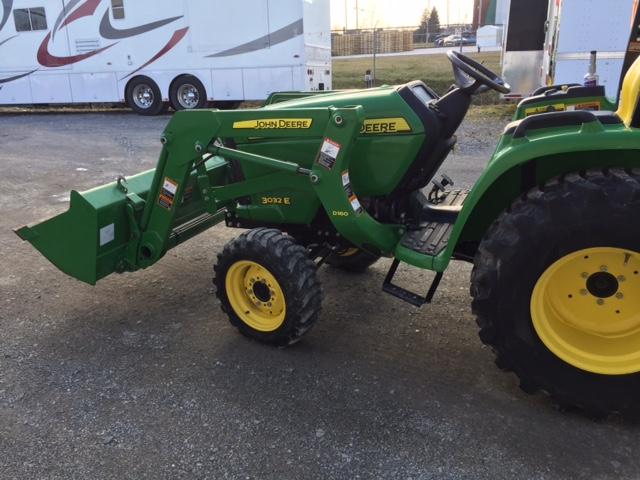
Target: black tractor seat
518	128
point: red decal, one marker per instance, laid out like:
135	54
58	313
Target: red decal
47	60
173	41
85	10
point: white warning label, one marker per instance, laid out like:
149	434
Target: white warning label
107	234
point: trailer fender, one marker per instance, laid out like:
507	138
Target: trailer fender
521	164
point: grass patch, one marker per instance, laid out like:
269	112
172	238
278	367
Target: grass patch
434	70
502	110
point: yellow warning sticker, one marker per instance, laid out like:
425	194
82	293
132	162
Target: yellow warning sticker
385	125
167	193
585	106
557	107
274	124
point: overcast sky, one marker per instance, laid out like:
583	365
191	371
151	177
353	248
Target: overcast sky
397	13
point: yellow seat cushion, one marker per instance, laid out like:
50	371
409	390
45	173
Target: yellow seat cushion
630	94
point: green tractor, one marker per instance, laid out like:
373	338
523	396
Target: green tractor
349	177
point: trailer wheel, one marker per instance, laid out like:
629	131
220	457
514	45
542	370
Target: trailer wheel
268	286
352	260
144	97
187	92
556	291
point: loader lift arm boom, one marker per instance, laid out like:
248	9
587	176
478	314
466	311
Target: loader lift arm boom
185	146
130	224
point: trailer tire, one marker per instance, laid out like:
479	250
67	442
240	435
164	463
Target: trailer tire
144	97
352	260
538	303
268	287
187	93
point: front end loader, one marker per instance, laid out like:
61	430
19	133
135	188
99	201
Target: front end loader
349	177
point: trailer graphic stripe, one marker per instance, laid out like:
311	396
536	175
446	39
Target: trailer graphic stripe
286	33
47	60
16	77
65	10
107	30
85	10
175	38
7	5
6	40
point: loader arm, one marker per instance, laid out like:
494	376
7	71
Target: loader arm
130	224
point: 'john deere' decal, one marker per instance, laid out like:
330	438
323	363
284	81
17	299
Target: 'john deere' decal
385	125
274	123
557	107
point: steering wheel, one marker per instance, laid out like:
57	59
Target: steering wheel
464	67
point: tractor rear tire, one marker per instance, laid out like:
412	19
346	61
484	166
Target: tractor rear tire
268	286
556	291
352	260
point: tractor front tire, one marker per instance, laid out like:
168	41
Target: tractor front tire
268	286
352	260
556	291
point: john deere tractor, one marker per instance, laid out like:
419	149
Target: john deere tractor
349	177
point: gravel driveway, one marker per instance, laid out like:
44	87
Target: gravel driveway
141	377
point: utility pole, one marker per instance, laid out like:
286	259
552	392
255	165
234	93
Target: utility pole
357	12
426	27
375	44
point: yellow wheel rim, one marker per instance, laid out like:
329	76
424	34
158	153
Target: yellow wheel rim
586	309
349	252
255	296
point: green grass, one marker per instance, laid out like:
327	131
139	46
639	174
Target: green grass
434	70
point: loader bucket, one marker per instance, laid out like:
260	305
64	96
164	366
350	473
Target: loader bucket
88	240
68	240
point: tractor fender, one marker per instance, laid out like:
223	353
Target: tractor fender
520	164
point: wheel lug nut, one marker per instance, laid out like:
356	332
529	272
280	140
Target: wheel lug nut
583	291
604	268
619	295
584	275
600	301
621	278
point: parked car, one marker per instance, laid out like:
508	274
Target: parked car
452	41
457	40
439	39
470	40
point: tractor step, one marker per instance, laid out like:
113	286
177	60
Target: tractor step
406	295
436	225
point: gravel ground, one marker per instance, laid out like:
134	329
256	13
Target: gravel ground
142	377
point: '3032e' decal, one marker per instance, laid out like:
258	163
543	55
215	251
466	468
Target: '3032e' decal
275	201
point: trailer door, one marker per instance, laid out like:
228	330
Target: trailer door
522	59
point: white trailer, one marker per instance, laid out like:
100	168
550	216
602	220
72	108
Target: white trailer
575	28
148	53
